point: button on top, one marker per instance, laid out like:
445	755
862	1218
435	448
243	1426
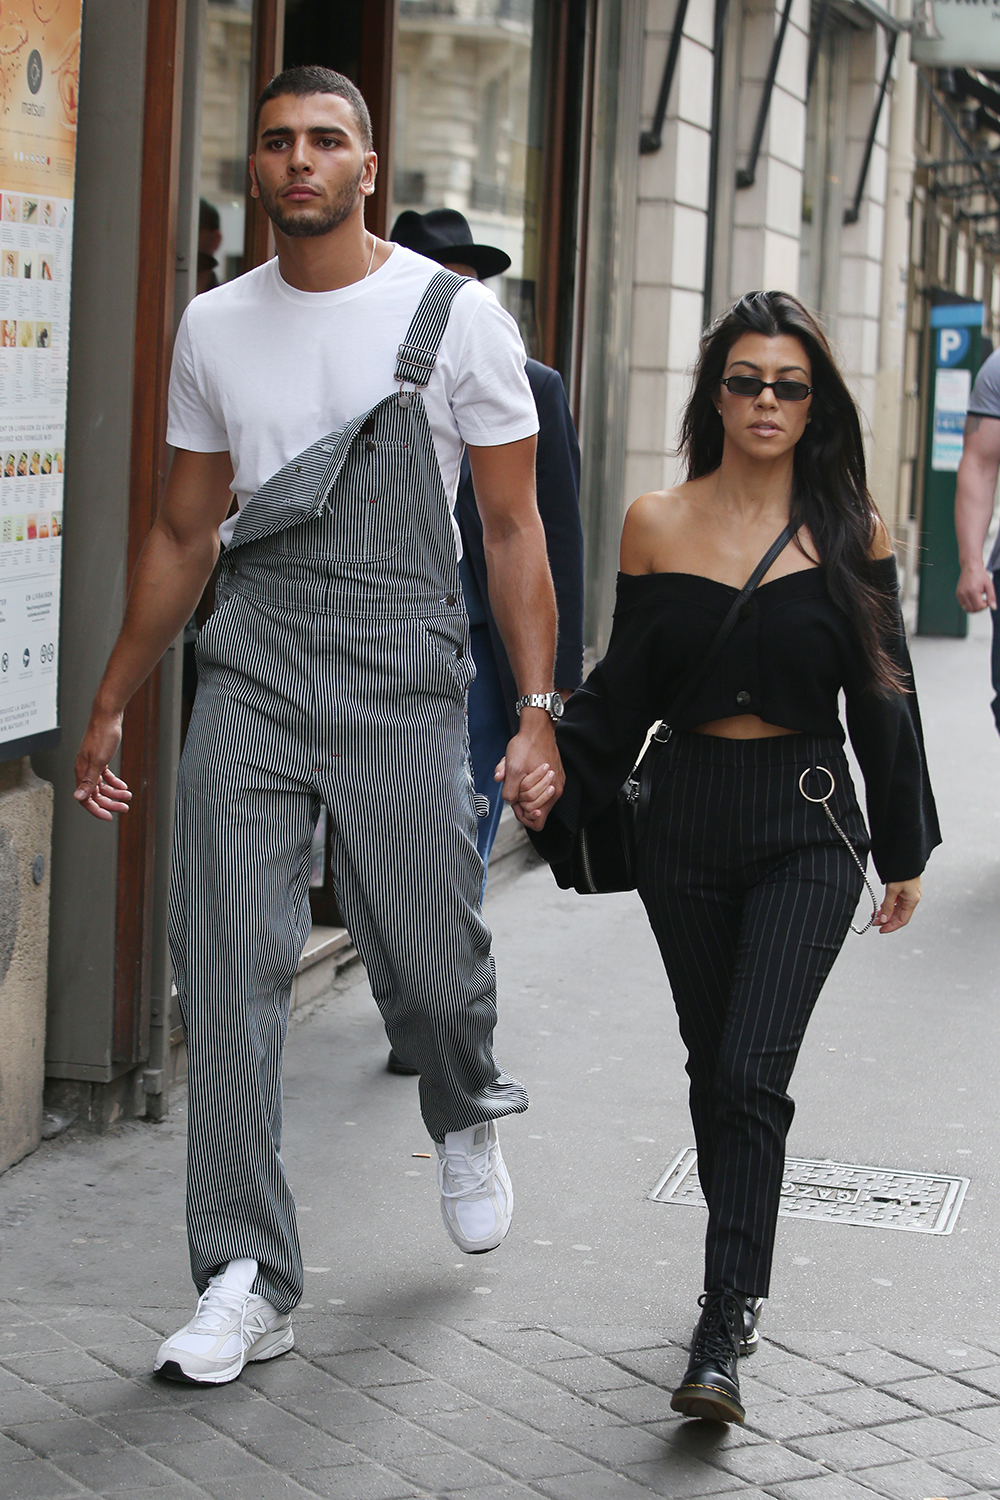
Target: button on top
370	444
746	609
450	601
743	698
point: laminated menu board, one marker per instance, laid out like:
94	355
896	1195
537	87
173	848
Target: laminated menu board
39	81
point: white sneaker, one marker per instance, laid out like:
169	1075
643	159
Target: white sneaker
231	1327
477	1200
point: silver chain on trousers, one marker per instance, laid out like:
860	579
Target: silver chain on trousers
825	804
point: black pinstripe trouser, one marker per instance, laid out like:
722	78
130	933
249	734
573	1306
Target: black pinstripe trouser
750	894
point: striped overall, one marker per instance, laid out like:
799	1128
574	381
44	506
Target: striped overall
334	671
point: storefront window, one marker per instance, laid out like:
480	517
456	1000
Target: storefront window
469	126
224	179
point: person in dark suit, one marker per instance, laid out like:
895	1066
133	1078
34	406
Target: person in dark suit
444	235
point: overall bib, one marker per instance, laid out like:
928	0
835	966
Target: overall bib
334	671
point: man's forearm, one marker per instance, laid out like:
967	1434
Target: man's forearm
169	580
973	507
524	605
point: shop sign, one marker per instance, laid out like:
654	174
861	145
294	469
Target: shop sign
952	329
955	333
39	80
969	35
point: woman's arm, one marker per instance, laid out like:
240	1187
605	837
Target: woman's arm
642	528
887	736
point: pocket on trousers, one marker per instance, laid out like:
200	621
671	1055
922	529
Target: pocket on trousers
447	637
212	633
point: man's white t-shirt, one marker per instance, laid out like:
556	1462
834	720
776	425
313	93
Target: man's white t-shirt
262	370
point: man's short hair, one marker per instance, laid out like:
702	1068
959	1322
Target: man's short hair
316	80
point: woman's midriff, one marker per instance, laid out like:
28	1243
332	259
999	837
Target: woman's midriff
742	727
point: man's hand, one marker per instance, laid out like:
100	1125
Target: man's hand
899	904
532	773
98	790
173	568
975	589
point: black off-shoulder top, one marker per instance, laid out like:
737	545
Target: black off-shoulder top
787	659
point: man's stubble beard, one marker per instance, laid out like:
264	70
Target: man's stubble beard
309	225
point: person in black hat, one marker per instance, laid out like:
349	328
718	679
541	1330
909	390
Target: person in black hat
209	240
443	234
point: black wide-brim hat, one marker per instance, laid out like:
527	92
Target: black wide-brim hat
444	235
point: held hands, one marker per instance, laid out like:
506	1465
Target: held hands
98	790
531	771
898	905
975	589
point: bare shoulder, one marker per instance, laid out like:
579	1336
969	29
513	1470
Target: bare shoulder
881	546
649	522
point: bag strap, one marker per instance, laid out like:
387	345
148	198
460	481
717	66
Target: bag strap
701	671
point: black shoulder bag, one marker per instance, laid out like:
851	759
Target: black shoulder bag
603	853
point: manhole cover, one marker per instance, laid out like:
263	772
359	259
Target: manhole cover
924	1202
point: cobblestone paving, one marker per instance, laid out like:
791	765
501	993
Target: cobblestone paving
368	1409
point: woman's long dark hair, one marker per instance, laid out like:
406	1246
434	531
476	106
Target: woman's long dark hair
830	494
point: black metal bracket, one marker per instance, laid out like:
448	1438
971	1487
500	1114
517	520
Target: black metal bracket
651	140
971	158
815	42
853	213
746	176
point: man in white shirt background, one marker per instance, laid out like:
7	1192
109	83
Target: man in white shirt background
332	390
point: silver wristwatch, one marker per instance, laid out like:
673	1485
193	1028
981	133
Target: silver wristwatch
551	702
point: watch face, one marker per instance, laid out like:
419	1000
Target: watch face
557	706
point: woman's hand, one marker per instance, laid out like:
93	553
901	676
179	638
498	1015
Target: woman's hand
899	904
534	796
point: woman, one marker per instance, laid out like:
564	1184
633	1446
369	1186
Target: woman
749	886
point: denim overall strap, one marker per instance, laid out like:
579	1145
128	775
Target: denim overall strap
418	351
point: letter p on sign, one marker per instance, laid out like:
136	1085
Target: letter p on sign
952	345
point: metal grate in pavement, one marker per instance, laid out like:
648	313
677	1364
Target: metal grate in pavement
922	1202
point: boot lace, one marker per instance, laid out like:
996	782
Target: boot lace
720	1328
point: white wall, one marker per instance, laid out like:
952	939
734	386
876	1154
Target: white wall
669	272
764	220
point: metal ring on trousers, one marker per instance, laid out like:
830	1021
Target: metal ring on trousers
825	803
808	772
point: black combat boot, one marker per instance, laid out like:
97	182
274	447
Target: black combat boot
711	1387
751	1317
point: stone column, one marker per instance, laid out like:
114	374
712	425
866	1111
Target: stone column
25	842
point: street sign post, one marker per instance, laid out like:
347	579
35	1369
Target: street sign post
956	353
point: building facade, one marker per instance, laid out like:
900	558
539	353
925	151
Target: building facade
643	162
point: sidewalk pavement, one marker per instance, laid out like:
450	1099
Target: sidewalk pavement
545	1369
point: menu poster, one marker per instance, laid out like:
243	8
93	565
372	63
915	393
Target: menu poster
39	80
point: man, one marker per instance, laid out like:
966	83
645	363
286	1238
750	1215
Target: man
974	497
209	240
443	235
332	390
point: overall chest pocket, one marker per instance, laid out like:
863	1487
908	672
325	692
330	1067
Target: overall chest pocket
370	501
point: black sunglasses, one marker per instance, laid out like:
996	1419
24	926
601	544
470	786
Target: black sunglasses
750	385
